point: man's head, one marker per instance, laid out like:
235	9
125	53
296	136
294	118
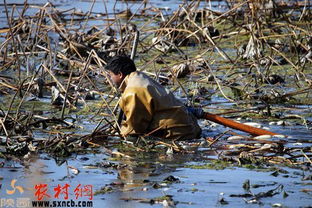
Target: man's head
119	67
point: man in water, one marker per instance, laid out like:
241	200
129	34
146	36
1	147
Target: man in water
149	108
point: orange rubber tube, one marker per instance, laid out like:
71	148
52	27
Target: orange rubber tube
235	125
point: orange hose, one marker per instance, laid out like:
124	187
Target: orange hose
235	125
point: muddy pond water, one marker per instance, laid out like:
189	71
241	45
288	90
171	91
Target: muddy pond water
158	179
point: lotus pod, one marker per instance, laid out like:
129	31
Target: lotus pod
38	88
20	148
161	44
211	31
253	49
56	98
181	70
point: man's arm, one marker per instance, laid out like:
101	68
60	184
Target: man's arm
137	105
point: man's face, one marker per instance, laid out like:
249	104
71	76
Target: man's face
116	78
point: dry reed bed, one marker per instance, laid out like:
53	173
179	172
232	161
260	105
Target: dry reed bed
256	52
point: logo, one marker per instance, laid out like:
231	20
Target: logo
19	188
